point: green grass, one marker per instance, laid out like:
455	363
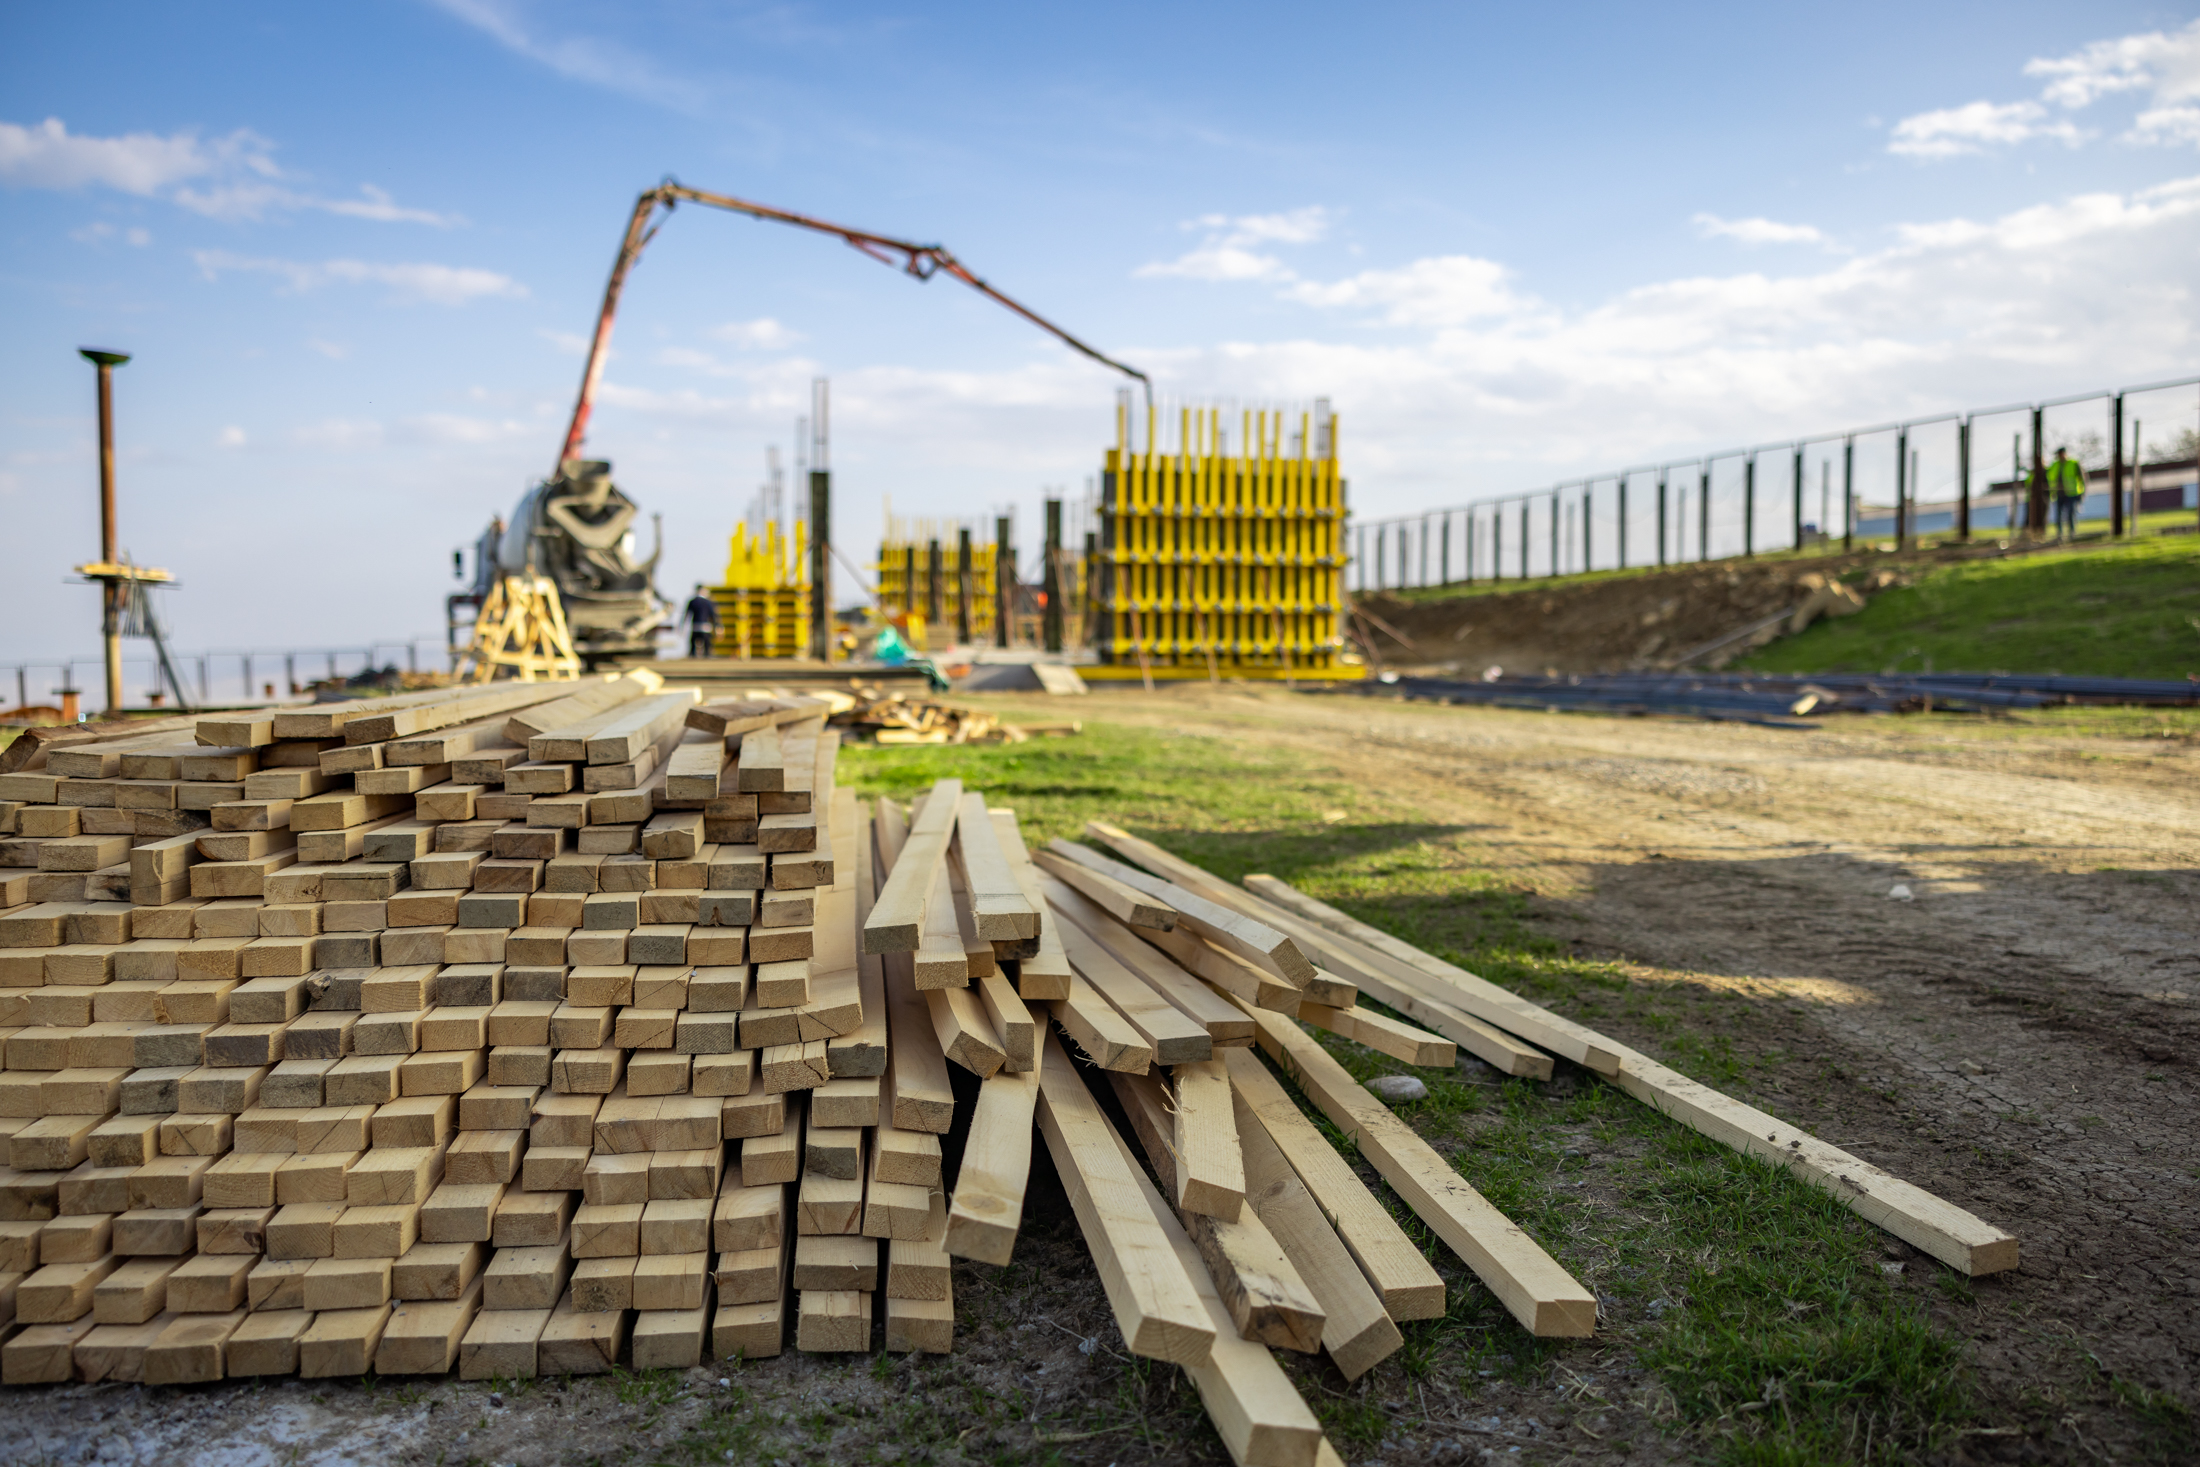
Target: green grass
1758	1301
2129	610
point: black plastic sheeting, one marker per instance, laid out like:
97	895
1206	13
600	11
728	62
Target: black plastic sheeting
1783	701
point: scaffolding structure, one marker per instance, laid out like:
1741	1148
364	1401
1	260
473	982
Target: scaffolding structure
938	581
1213	564
764	603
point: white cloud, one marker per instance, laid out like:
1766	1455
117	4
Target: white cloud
455	428
335	351
340	435
239	170
569	343
762	334
445	285
1228	252
1975	126
1757	231
1448	290
582	58
48	156
2168	63
100	231
231	437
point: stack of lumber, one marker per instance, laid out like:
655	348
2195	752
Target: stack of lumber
902	718
598	1028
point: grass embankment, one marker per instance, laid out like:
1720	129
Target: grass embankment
2129	610
1757	1303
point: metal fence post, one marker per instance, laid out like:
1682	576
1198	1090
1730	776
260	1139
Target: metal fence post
1497	542
1749	505
1795	475
1524	505
1901	489
1554	532
1468	549
2116	466
1963	478
1703	512
1848	492
1623	522
1443	555
2035	509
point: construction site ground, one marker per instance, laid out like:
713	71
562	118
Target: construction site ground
2016	1035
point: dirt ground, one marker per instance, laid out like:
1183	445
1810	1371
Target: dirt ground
2017	1036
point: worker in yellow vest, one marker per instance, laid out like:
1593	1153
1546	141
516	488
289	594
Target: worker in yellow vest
2066	485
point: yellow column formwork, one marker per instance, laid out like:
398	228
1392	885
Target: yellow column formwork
929	606
764	603
1219	564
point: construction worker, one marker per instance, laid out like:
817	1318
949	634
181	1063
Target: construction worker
701	618
2066	485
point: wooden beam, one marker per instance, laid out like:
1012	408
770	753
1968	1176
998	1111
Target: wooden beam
997	900
966	1036
589	698
1401	1041
1266	1299
1258	1413
988	1204
1226	928
1479	997
1124	903
1171	1035
1545	1298
1392	1264
1105	1035
941	960
1159	1309
1045	975
1225	970
897	917
1356	1331
1210	1167
1011	1020
1225	1024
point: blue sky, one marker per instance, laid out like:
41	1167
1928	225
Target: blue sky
355	249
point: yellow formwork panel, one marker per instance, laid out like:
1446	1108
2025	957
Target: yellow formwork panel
1230	561
922	585
764	604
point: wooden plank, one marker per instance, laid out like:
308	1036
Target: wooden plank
1225	1024
1105	1035
1046	973
1255	1409
1406	990
589	698
376	728
733	717
997	899
1172	1036
1252	940
1383	1034
1546	1299
1011	1020
941	960
640	725
897	917
1126	904
965	1034
1225	970
988	1205
1401	1277
1149	1285
1479	997
1266	1299
1356	1331
1210	1167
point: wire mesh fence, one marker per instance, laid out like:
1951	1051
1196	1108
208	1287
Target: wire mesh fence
1944	475
214	678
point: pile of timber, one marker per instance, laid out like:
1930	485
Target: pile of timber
532	1032
903	718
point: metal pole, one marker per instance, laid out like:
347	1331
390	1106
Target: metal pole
962	586
1424	550
1963	477
1623	522
1004	584
1468	548
821	521
1588	536
1554	532
1050	578
2116	466
1497	542
1795	477
1661	516
1901	489
1749	506
1443	553
2035	510
1703	512
1848	493
111	591
1523	539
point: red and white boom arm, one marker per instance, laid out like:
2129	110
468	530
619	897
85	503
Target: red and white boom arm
922	261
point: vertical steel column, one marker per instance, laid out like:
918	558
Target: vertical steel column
821	522
1661	516
1901	488
1424	550
963	587
1963	478
1554	532
1588	535
110	586
1050	578
1443	553
1468	549
2116	466
1623	522
935	593
1004	585
1749	505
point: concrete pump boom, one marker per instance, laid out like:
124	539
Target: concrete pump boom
922	261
